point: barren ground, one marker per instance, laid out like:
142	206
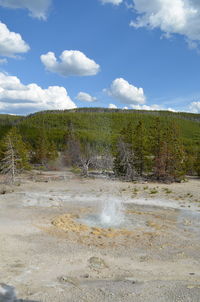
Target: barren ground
156	259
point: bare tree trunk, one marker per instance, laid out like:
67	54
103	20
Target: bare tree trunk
12	162
85	169
9	162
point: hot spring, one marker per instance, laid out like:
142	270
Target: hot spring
112	213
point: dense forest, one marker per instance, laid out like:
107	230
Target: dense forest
153	144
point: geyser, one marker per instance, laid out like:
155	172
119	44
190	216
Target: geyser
110	214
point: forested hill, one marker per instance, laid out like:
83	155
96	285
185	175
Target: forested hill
78	133
97	124
182	115
7	119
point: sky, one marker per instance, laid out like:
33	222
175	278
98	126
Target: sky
130	54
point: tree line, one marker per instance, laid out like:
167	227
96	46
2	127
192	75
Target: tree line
137	151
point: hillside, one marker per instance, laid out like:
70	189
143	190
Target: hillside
98	124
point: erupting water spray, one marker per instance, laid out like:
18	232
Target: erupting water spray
112	214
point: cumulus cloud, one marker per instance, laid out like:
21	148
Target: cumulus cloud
86	97
151	107
195	107
115	2
37	8
72	63
172	17
14	95
11	43
112	106
126	93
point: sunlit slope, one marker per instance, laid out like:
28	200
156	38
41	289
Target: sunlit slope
102	125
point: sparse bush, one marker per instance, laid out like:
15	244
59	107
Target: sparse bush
167	191
153	191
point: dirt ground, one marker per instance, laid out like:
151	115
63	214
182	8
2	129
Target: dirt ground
48	255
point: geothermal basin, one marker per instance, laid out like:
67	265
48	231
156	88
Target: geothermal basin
102	242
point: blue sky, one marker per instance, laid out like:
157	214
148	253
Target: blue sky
102	53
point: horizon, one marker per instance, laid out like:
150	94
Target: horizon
102	108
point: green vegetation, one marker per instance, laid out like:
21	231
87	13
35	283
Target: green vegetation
142	143
153	191
167	191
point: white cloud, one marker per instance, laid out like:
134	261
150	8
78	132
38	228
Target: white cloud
3	61
115	2
11	43
195	107
72	63
126	93
15	95
171	16
112	106
151	107
86	97
37	8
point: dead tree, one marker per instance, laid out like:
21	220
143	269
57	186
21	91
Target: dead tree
82	155
15	155
124	161
9	162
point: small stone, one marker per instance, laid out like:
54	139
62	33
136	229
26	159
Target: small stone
97	263
67	279
187	222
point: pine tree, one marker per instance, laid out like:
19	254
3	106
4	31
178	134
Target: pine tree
140	148
157	149
15	157
197	163
175	161
45	150
168	152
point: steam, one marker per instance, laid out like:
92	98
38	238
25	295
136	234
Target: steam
112	213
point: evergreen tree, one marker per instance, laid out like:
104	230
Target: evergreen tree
175	161
157	149
140	148
45	150
197	163
131	152
168	152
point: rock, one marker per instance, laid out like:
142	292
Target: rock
187	222
67	279
7	293
5	190
97	263
144	258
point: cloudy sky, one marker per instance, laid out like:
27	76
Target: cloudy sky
138	54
